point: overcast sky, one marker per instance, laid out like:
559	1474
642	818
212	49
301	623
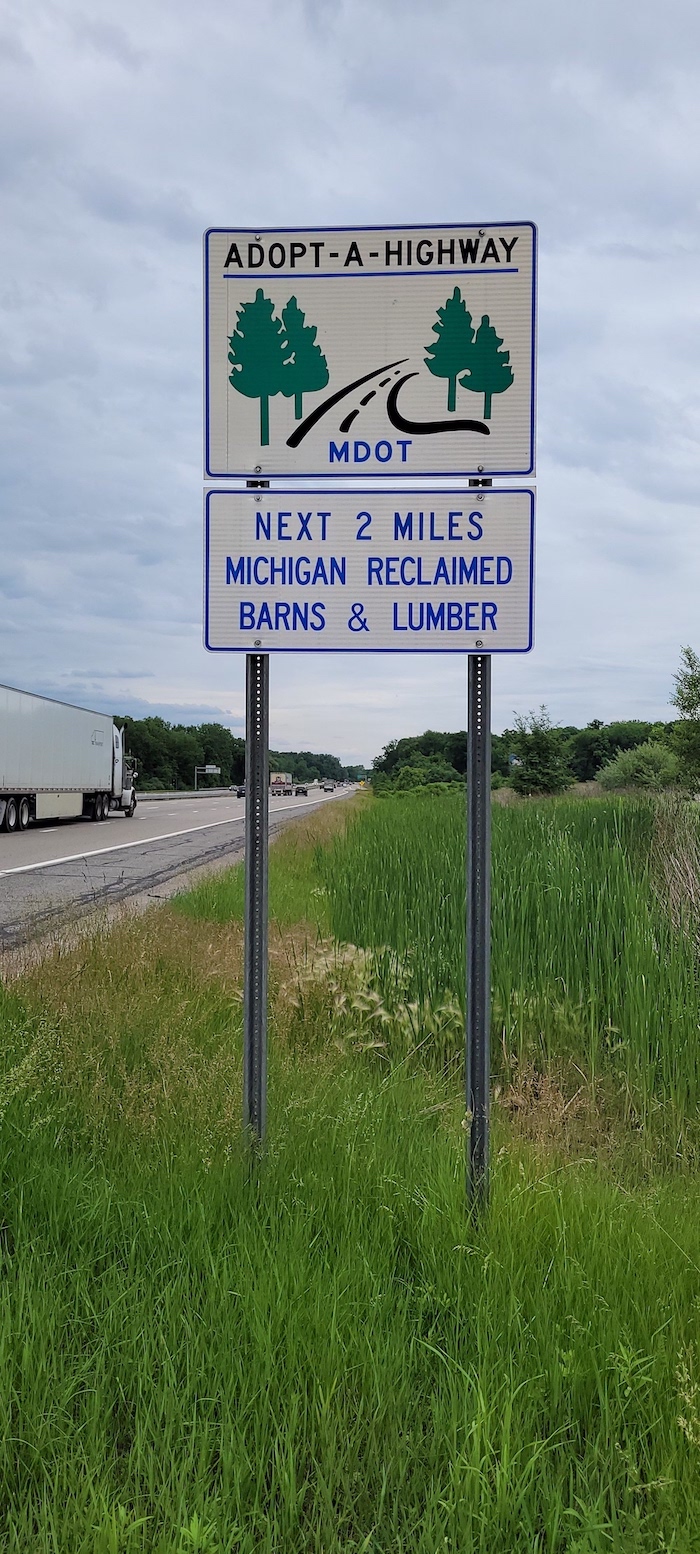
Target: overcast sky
126	131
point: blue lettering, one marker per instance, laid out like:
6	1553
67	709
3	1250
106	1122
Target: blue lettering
264	618
467	573
277	569
282	616
397	627
337	569
417	624
320	573
403	527
234	574
454	617
361	458
374	569
391	564
247	617
318	611
407	561
300	616
260	561
433	535
302	570
283	526
262	526
304	518
435	619
475	522
452	528
338	455
501	563
441	573
485	569
469	623
488	613
403	443
384	457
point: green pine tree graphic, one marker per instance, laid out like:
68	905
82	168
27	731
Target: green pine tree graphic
308	369
489	369
260	356
451	351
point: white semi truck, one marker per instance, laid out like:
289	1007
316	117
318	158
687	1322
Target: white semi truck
58	761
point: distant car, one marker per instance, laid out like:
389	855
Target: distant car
328	787
300	789
240	791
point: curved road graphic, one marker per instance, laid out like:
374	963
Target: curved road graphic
397	419
426	428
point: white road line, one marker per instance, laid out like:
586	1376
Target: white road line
96	852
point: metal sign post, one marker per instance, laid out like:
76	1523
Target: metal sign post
478	923
255	948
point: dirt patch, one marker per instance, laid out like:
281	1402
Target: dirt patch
560	1112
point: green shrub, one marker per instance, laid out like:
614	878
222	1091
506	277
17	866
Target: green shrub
648	766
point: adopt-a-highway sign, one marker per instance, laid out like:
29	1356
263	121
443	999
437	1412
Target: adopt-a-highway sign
380	571
371	351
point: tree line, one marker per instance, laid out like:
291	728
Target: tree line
167	753
535	756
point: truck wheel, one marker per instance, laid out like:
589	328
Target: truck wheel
11	816
129	813
23	813
98	808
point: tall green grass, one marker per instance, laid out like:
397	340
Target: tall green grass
325	1356
585	958
318	1352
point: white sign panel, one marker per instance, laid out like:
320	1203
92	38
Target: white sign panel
376	571
377	351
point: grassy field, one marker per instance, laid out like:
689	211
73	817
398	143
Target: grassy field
318	1351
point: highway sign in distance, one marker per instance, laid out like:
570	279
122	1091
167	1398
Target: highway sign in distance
377	571
373	351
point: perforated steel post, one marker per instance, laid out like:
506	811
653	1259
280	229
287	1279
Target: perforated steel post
256	847
478	1056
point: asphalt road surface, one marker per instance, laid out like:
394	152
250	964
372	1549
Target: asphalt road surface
59	871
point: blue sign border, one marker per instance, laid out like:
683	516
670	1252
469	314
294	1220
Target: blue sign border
311	474
281	491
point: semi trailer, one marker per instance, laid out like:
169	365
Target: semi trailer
59	761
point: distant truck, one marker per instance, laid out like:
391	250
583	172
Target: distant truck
281	782
58	761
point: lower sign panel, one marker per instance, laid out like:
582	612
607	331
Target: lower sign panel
369	572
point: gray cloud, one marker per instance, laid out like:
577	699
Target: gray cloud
123	138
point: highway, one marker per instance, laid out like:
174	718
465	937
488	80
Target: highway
55	873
